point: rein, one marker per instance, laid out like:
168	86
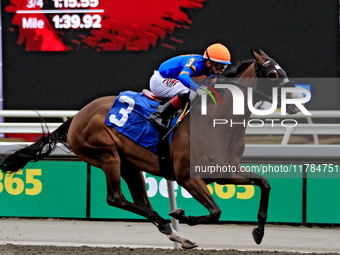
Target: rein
261	72
233	82
240	84
181	117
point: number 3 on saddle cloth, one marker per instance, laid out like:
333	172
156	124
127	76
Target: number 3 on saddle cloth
129	116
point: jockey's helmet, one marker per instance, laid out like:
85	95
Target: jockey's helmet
217	53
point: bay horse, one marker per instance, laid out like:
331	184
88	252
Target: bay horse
99	145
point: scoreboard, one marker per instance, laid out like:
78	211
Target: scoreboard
102	25
61	54
54	25
71	20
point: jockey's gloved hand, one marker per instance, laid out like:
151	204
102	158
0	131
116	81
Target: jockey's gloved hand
211	82
202	91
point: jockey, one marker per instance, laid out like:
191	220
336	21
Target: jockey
173	79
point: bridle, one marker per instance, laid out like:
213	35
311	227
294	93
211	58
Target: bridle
263	71
271	67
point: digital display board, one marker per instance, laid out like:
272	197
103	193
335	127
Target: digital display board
103	25
48	66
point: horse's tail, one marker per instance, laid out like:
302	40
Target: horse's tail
40	149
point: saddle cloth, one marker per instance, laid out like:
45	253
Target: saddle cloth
129	116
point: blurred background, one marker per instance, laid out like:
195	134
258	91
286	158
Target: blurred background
302	36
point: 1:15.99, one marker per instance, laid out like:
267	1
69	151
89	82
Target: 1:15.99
75	3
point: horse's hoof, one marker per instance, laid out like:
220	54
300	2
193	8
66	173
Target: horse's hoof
177	214
165	229
258	235
188	244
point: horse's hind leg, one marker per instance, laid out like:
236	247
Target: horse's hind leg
95	143
116	198
136	183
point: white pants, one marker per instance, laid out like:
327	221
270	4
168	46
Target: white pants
167	87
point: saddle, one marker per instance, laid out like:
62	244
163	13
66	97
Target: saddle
163	147
152	96
162	101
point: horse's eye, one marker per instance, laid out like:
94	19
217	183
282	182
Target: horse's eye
272	75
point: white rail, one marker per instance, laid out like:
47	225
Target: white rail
32	128
36	114
26	128
300	129
315	114
275	128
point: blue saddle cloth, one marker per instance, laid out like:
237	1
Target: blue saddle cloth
129	116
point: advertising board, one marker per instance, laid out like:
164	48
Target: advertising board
58	189
45	189
237	202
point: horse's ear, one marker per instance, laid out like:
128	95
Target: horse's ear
263	54
256	56
252	52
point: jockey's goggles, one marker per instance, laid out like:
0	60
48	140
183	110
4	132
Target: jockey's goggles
219	66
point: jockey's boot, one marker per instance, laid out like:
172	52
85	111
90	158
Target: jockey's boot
160	118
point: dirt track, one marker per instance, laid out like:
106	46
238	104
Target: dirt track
52	236
10	249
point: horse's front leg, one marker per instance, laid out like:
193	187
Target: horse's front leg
241	176
262	214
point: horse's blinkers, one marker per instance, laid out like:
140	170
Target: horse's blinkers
272	76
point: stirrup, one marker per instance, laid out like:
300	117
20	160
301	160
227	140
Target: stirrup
160	123
157	120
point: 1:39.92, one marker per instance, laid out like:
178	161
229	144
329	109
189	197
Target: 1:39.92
75	21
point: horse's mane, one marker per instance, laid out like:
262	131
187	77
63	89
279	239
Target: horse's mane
233	72
230	74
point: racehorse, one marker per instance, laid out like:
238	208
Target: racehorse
87	135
